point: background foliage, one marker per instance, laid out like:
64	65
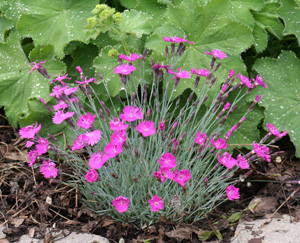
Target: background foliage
254	34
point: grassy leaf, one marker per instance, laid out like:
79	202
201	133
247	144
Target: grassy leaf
235	217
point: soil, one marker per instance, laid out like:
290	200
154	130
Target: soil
29	203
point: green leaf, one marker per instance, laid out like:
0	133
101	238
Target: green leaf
129	3
282	98
210	27
235	217
205	235
289	12
16	86
55	22
260	37
136	23
5	24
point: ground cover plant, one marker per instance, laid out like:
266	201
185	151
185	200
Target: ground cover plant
156	157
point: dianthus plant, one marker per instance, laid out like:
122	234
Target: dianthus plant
155	157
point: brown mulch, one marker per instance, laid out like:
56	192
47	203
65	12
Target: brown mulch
29	204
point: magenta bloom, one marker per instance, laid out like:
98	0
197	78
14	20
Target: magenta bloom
60	116
70	91
116	125
48	169
262	151
118	137
146	128
97	160
87	81
232	193
200	138
243	163
32	156
180	74
30	131
200	72
60	106
162	126
216	53
219	144
42	146
35	66
273	130
156	203
124	69
131	58
131	113
163	174
259	81
167	160
29	144
176	39
112	150
226	106
182	176
86	121
91	176
121	204
227	160
91	138
78	143
57	91
244	80
60	78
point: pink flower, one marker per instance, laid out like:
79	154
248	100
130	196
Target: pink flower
182	176
60	116
60	106
200	138
146	128
116	125
131	113
35	66
231	73
242	162
232	193
112	150
163	174
262	151
97	160
60	78
91	176
176	39
29	144
32	156
157	67
79	70
226	106
69	91
78	143
162	126
48	169
42	146
57	91
259	81
91	138
156	203
121	204
216	53
200	72
87	81
86	121
244	80
167	160
219	144
180	74
273	130
30	131
227	160
118	137
131	58
124	69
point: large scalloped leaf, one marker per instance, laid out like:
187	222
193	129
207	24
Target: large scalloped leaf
282	98
289	12
5	24
55	22
210	27
16	86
